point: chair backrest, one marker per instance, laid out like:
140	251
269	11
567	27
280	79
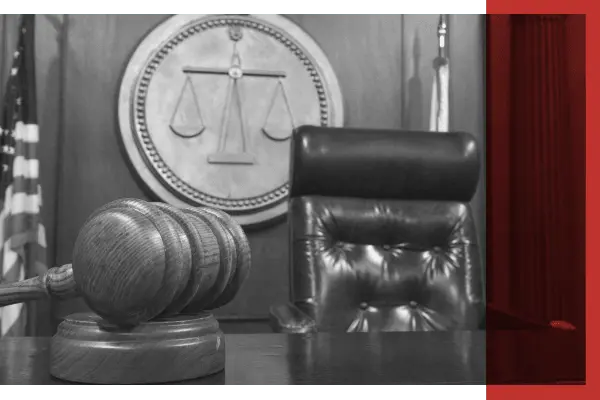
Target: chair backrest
382	236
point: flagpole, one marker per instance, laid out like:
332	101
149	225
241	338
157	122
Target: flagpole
442	36
24	243
439	115
441	59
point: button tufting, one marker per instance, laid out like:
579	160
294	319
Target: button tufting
364	305
413	304
386	247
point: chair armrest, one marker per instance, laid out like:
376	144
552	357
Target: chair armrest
287	318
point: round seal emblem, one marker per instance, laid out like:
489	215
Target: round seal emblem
208	103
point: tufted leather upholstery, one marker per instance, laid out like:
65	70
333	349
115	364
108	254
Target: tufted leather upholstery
382	236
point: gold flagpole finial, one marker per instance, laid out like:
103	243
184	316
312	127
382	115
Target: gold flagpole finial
442	36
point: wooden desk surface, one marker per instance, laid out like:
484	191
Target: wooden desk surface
390	358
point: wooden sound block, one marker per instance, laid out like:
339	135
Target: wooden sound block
87	349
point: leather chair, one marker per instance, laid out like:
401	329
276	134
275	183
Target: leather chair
381	233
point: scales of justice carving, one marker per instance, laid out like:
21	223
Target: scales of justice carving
208	103
189	126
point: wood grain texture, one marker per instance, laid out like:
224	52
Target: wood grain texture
267	284
205	257
134	261
57	282
50	35
243	261
121	266
88	350
227	256
542	356
175	247
297	362
366	54
92	170
371	54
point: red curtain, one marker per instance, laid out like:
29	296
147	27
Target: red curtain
536	166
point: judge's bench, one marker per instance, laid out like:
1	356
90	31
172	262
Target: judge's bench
236	125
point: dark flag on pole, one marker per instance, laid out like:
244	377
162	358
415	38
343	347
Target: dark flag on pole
22	235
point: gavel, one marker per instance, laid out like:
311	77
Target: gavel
151	272
134	261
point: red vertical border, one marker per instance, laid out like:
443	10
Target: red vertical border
592	164
498	158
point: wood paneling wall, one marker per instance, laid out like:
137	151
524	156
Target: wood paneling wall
384	64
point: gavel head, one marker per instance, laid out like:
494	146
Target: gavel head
134	260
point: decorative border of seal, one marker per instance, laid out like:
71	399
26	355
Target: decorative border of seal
146	60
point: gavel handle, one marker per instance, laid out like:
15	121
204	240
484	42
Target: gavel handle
57	282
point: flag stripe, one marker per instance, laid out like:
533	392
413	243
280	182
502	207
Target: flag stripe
28	133
26	168
13	320
22	234
24	203
26	185
11	228
13	272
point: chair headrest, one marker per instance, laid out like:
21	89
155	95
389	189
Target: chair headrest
375	163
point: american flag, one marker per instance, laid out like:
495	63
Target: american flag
22	235
440	117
